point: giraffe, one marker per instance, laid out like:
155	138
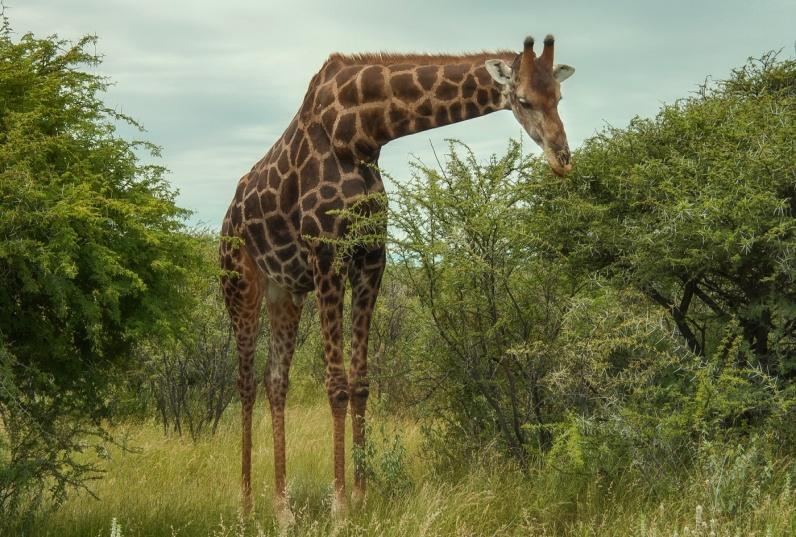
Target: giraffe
324	162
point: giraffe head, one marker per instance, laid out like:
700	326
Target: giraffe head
532	87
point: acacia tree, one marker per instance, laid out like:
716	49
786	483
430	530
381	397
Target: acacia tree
695	208
464	242
93	255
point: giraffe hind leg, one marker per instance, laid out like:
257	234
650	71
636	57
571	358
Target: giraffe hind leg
329	293
283	317
243	288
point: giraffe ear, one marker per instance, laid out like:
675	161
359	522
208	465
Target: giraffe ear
561	71
499	70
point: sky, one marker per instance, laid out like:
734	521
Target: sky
216	82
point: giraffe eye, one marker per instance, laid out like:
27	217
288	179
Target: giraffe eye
525	103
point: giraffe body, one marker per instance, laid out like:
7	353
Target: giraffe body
324	162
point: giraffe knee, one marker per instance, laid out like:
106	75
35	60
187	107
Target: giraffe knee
337	391
276	384
338	397
274	376
360	389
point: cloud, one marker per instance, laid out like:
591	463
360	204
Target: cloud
215	83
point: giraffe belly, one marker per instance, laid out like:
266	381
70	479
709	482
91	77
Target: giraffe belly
291	273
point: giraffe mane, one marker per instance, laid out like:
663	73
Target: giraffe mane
392	58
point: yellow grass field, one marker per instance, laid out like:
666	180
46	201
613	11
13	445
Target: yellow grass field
170	486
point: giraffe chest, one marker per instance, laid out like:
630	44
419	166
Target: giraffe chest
270	226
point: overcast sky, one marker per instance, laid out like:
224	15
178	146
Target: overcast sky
216	82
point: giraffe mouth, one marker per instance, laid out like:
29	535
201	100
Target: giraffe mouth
561	170
559	161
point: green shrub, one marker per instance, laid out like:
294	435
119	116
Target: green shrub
93	255
383	459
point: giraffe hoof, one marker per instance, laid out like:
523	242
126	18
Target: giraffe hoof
339	508
246	505
357	497
284	517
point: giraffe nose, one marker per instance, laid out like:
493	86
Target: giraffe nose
560	160
565	159
564	155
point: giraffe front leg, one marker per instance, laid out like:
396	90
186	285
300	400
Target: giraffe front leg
243	297
284	317
365	274
330	290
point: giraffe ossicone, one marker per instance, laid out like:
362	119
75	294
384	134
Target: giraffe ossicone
321	165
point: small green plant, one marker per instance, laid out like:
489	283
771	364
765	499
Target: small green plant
116	528
383	459
736	477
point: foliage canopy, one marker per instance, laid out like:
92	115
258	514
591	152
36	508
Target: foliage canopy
695	209
93	254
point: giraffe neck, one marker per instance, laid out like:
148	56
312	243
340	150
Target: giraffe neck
439	94
395	95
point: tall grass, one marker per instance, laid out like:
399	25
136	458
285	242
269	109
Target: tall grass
173	487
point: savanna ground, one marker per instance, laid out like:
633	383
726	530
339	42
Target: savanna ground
171	486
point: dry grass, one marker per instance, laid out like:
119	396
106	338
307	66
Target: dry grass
173	487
